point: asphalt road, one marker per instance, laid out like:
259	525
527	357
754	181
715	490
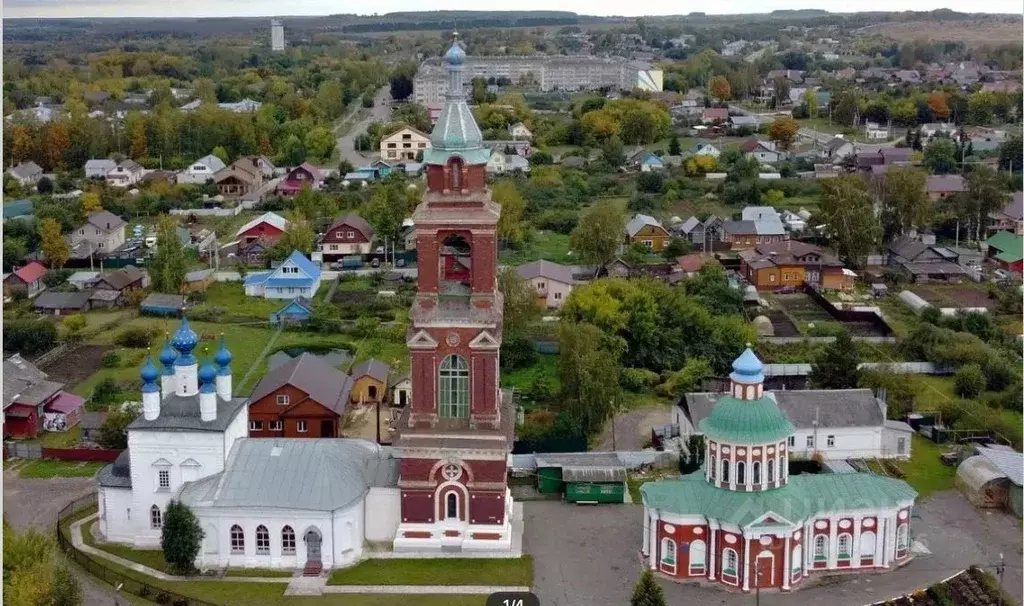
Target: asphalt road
379	112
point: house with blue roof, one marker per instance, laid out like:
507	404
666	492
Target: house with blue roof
649	162
296	277
296	311
18	209
374	172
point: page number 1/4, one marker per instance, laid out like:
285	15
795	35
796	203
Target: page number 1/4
512	598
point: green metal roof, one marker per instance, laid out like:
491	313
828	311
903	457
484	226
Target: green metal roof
746	421
1005	241
805	495
1009	256
469	156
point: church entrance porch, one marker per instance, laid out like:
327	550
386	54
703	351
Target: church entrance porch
314	561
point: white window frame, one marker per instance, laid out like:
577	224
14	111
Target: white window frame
255	425
301	427
847	539
237	540
698	563
830	441
669	559
810	441
163	480
820	552
156	518
262	540
276	426
791	441
287	540
729	555
282	400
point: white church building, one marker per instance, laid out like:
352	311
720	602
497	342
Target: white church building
267	503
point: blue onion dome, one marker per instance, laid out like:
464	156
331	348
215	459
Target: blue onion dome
186	339
149	372
455	54
223	356
747	369
167	354
207	373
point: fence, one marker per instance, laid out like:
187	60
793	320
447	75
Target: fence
21	450
208	212
100	570
52	355
848	315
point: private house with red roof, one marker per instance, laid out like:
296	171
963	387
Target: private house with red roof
33	403
27	279
940	186
349	235
763	151
714	115
304	175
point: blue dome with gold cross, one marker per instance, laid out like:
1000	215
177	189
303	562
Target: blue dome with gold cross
455	54
186	339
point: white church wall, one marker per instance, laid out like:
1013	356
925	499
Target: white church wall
347	524
239	428
114	510
383	513
153	451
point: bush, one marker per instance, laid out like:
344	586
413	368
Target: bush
56	277
652	182
638	379
137	337
999	374
113	434
517	352
562	221
181	537
111	359
29	336
969	381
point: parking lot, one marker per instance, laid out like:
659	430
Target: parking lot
585	555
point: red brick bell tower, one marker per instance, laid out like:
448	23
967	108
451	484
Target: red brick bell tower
455	437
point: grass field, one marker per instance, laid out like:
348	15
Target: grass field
546	245
455	571
230	296
48	468
521	379
268	573
925	470
988	30
154	558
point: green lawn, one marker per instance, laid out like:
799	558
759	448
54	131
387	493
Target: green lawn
245	342
230	296
259	572
48	468
521	379
53	439
455	571
546	245
925	470
154	558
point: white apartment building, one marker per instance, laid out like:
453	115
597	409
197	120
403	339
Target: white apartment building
276	35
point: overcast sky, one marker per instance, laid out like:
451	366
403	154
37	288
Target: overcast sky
225	8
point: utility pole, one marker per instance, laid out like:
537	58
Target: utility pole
757	586
614	449
1000	569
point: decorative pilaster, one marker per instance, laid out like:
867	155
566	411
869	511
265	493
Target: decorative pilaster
712	553
786	564
833	543
808	546
855	548
746	563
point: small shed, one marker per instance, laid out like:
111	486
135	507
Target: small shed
294	312
160	304
63	412
91	423
879	289
198	281
584	477
993	478
764	326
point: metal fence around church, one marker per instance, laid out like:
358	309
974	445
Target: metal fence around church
96	567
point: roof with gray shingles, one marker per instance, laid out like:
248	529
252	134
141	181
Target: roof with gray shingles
639	222
373	368
118	474
25	384
105	220
545	269
308	373
52	299
164	301
831	407
181	413
586	467
1008	462
312	475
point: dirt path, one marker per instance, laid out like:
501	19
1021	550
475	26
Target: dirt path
633	428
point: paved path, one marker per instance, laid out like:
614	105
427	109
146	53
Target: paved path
329	274
380	112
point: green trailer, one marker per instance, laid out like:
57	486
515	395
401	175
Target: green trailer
589	477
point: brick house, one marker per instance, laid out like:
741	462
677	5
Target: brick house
349	235
303	398
239	179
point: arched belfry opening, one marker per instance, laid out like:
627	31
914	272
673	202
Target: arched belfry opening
456	180
456	266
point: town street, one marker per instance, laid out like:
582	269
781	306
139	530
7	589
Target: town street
380	111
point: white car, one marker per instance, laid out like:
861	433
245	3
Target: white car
150	241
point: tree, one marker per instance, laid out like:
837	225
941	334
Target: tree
781	86
510	225
938	103
401	87
329	101
320	142
848	213
31	577
58	140
181	537
74	325
294	152
651	182
647	591
674	149
53	244
312	204
811	102
941	156
613	153
1011	155
90	203
720	88
222	154
387	209
299	237
135	124
845	108
170	263
596	239
44	186
783	131
113	433
589	375
676	248
905	203
690	378
520	301
541	158
969	381
837	366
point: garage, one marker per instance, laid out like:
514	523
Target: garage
583	477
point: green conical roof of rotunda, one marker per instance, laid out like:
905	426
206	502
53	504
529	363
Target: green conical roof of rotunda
456	132
746	421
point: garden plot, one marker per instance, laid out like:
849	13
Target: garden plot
954	295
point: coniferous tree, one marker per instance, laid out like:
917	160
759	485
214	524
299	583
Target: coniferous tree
837	366
647	591
181	537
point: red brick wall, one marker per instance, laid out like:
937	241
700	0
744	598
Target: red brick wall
720	546
815	531
487	507
417	506
483	371
81	454
683	536
772	569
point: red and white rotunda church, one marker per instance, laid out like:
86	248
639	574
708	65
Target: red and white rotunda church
457	433
746	523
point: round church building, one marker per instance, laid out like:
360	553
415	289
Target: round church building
745	523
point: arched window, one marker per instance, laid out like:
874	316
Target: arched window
156	518
901	537
771	470
262	540
454	375
867	545
698	558
729	560
451	506
237	540
668	555
287	541
820	548
797	559
741	472
455	169
711	466
845	543
725	470
755	470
